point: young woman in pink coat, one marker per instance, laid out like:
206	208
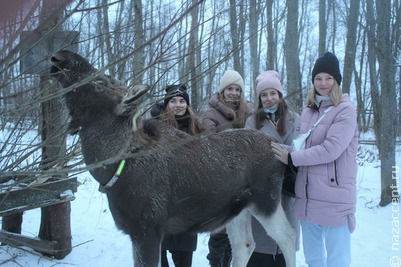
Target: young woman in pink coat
326	181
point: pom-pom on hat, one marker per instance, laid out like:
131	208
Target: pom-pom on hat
268	80
328	63
231	77
176	90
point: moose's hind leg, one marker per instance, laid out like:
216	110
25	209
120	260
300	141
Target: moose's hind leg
239	232
278	227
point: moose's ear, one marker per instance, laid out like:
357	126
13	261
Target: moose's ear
134	97
136	93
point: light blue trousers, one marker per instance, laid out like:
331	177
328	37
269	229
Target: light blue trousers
326	246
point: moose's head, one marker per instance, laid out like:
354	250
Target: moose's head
90	93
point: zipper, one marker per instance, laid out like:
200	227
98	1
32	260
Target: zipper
335	171
306	191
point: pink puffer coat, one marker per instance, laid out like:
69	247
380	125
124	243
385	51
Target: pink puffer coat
326	180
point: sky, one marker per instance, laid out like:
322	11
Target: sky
97	242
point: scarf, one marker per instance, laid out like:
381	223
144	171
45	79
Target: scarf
320	98
183	122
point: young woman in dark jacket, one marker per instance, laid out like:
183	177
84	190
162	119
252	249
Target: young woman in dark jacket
176	111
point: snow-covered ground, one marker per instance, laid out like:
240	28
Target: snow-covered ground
97	242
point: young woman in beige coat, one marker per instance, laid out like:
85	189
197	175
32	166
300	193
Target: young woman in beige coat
227	110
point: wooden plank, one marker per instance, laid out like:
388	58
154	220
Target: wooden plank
18	178
42	195
17	240
42	204
373	142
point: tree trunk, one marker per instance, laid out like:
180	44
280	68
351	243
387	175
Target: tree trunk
107	38
193	40
242	21
350	49
291	49
374	90
139	54
360	90
388	98
270	36
235	36
100	32
55	220
396	41
322	27
254	11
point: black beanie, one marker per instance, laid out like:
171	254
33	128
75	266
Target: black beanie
176	90
328	63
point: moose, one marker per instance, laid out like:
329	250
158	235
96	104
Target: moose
159	180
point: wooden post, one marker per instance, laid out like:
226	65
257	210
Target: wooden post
55	226
55	221
12	223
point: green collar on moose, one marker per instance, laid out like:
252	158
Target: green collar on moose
113	180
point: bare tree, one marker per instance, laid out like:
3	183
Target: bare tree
350	49
139	49
242	23
360	87
374	88
292	56
235	41
270	36
396	37
192	47
388	100
254	11
106	36
322	26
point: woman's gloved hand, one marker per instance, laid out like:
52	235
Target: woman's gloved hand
279	152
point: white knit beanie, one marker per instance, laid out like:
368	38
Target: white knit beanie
268	80
231	77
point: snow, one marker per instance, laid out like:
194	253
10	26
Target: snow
97	242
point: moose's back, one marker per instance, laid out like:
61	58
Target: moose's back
218	173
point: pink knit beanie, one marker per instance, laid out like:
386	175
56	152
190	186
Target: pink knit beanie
231	77
268	80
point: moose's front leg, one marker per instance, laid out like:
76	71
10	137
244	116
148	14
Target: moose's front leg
146	249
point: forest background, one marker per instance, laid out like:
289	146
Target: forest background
160	42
